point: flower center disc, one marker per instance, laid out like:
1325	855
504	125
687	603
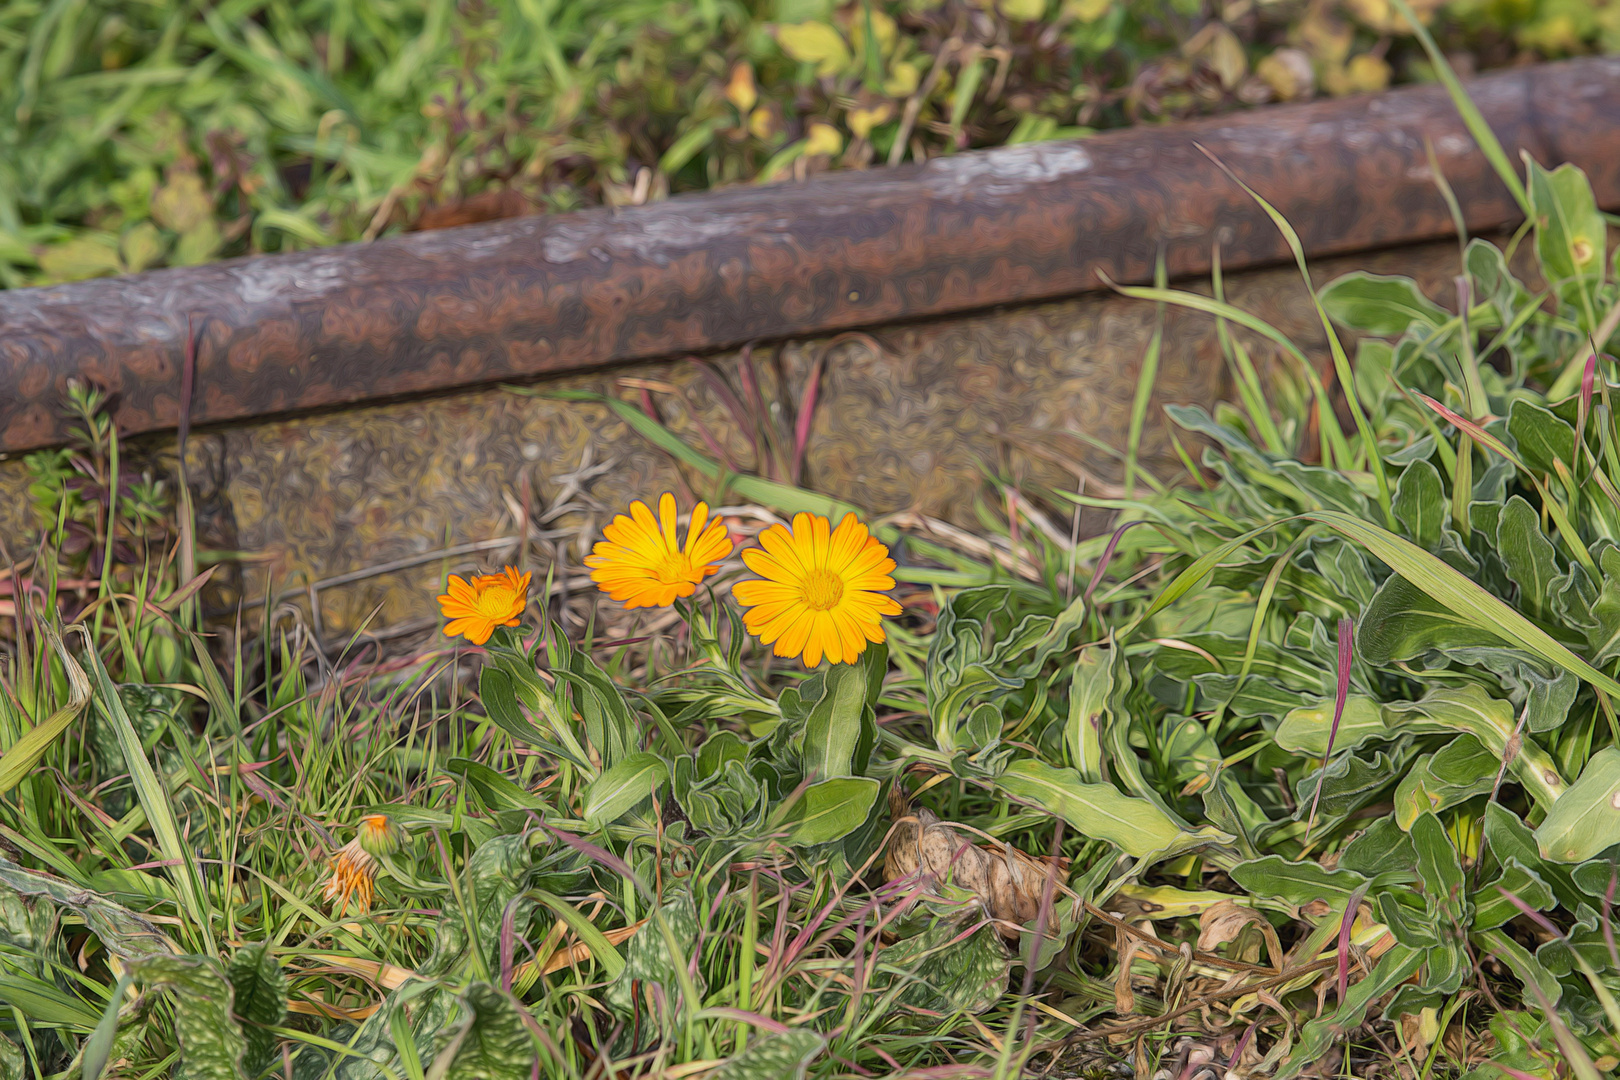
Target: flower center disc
823	589
673	568
494	601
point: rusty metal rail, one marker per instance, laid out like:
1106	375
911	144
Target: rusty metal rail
516	299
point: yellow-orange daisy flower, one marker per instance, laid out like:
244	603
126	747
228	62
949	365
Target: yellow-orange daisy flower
643	564
823	593
477	607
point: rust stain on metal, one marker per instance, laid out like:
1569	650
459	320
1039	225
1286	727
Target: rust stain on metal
514	299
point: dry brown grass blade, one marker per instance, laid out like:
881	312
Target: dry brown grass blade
580	952
386	976
331	1012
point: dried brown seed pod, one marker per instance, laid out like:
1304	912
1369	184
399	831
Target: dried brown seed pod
1006	884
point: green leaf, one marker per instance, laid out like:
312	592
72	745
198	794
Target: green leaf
1384	848
1136	826
1542	437
21	756
1507	837
45	1003
155	798
124	933
1091	682
1404	623
1493	281
1385	306
613	794
1297	883
1527	968
1305	730
1491	720
259	996
1492	909
942	974
1420	504
1461	769
649	959
1409	922
832	731
491	1043
1347	784
786	1055
499	697
831	810
1570	231
602	950
1586	819
493	789
1440	870
211	1042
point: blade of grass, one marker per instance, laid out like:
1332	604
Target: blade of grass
1144	384
21	757
1242	366
1341	359
1472	119
1334	446
155	800
1340	695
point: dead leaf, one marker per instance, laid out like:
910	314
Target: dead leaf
1225	921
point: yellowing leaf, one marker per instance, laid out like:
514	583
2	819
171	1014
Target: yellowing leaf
1367	74
198	243
1289	74
1087	11
1023	10
142	246
903	79
761	123
182	203
815	43
79	258
1227	58
862	121
741	91
883	28
822	139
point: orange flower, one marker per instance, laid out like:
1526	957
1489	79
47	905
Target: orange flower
823	593
475	609
641	562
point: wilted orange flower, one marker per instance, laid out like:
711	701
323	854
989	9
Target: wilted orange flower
644	565
354	867
354	878
476	608
823	593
